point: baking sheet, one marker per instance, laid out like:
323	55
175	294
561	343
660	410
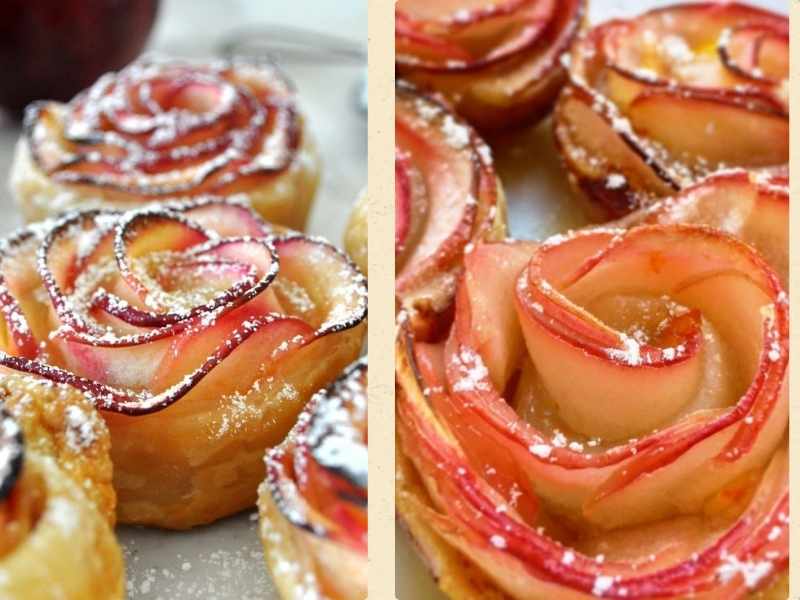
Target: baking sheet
540	204
224	561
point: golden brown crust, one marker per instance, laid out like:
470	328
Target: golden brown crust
71	553
69	550
59	422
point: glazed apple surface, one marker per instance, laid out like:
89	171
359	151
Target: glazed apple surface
161	128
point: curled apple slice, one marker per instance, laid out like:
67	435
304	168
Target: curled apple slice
447	197
497	62
158	129
754	208
658	101
597	423
313	502
193	315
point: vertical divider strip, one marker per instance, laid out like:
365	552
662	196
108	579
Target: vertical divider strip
380	191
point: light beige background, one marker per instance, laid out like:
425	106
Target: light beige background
225	561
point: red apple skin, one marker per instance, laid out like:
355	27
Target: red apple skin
53	49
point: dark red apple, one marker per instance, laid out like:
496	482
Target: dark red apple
52	50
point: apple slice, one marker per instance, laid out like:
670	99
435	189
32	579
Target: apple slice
762	137
449	198
754	208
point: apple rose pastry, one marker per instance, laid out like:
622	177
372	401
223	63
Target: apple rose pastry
599	423
447	197
498	62
656	102
197	332
157	130
313	503
56	500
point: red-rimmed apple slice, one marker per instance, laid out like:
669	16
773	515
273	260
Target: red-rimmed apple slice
753	208
313	502
757	51
448	198
718	70
499	64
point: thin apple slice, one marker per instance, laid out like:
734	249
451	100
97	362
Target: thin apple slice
754	208
459	38
762	137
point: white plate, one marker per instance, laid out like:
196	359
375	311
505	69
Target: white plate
540	204
224	561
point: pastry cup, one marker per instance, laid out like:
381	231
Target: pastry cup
447	199
356	234
656	102
62	503
156	130
198	331
583	431
313	502
499	66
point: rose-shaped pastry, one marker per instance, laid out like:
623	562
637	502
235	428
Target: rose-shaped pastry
498	62
56	500
355	236
655	102
197	332
447	197
599	423
163	129
313	503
